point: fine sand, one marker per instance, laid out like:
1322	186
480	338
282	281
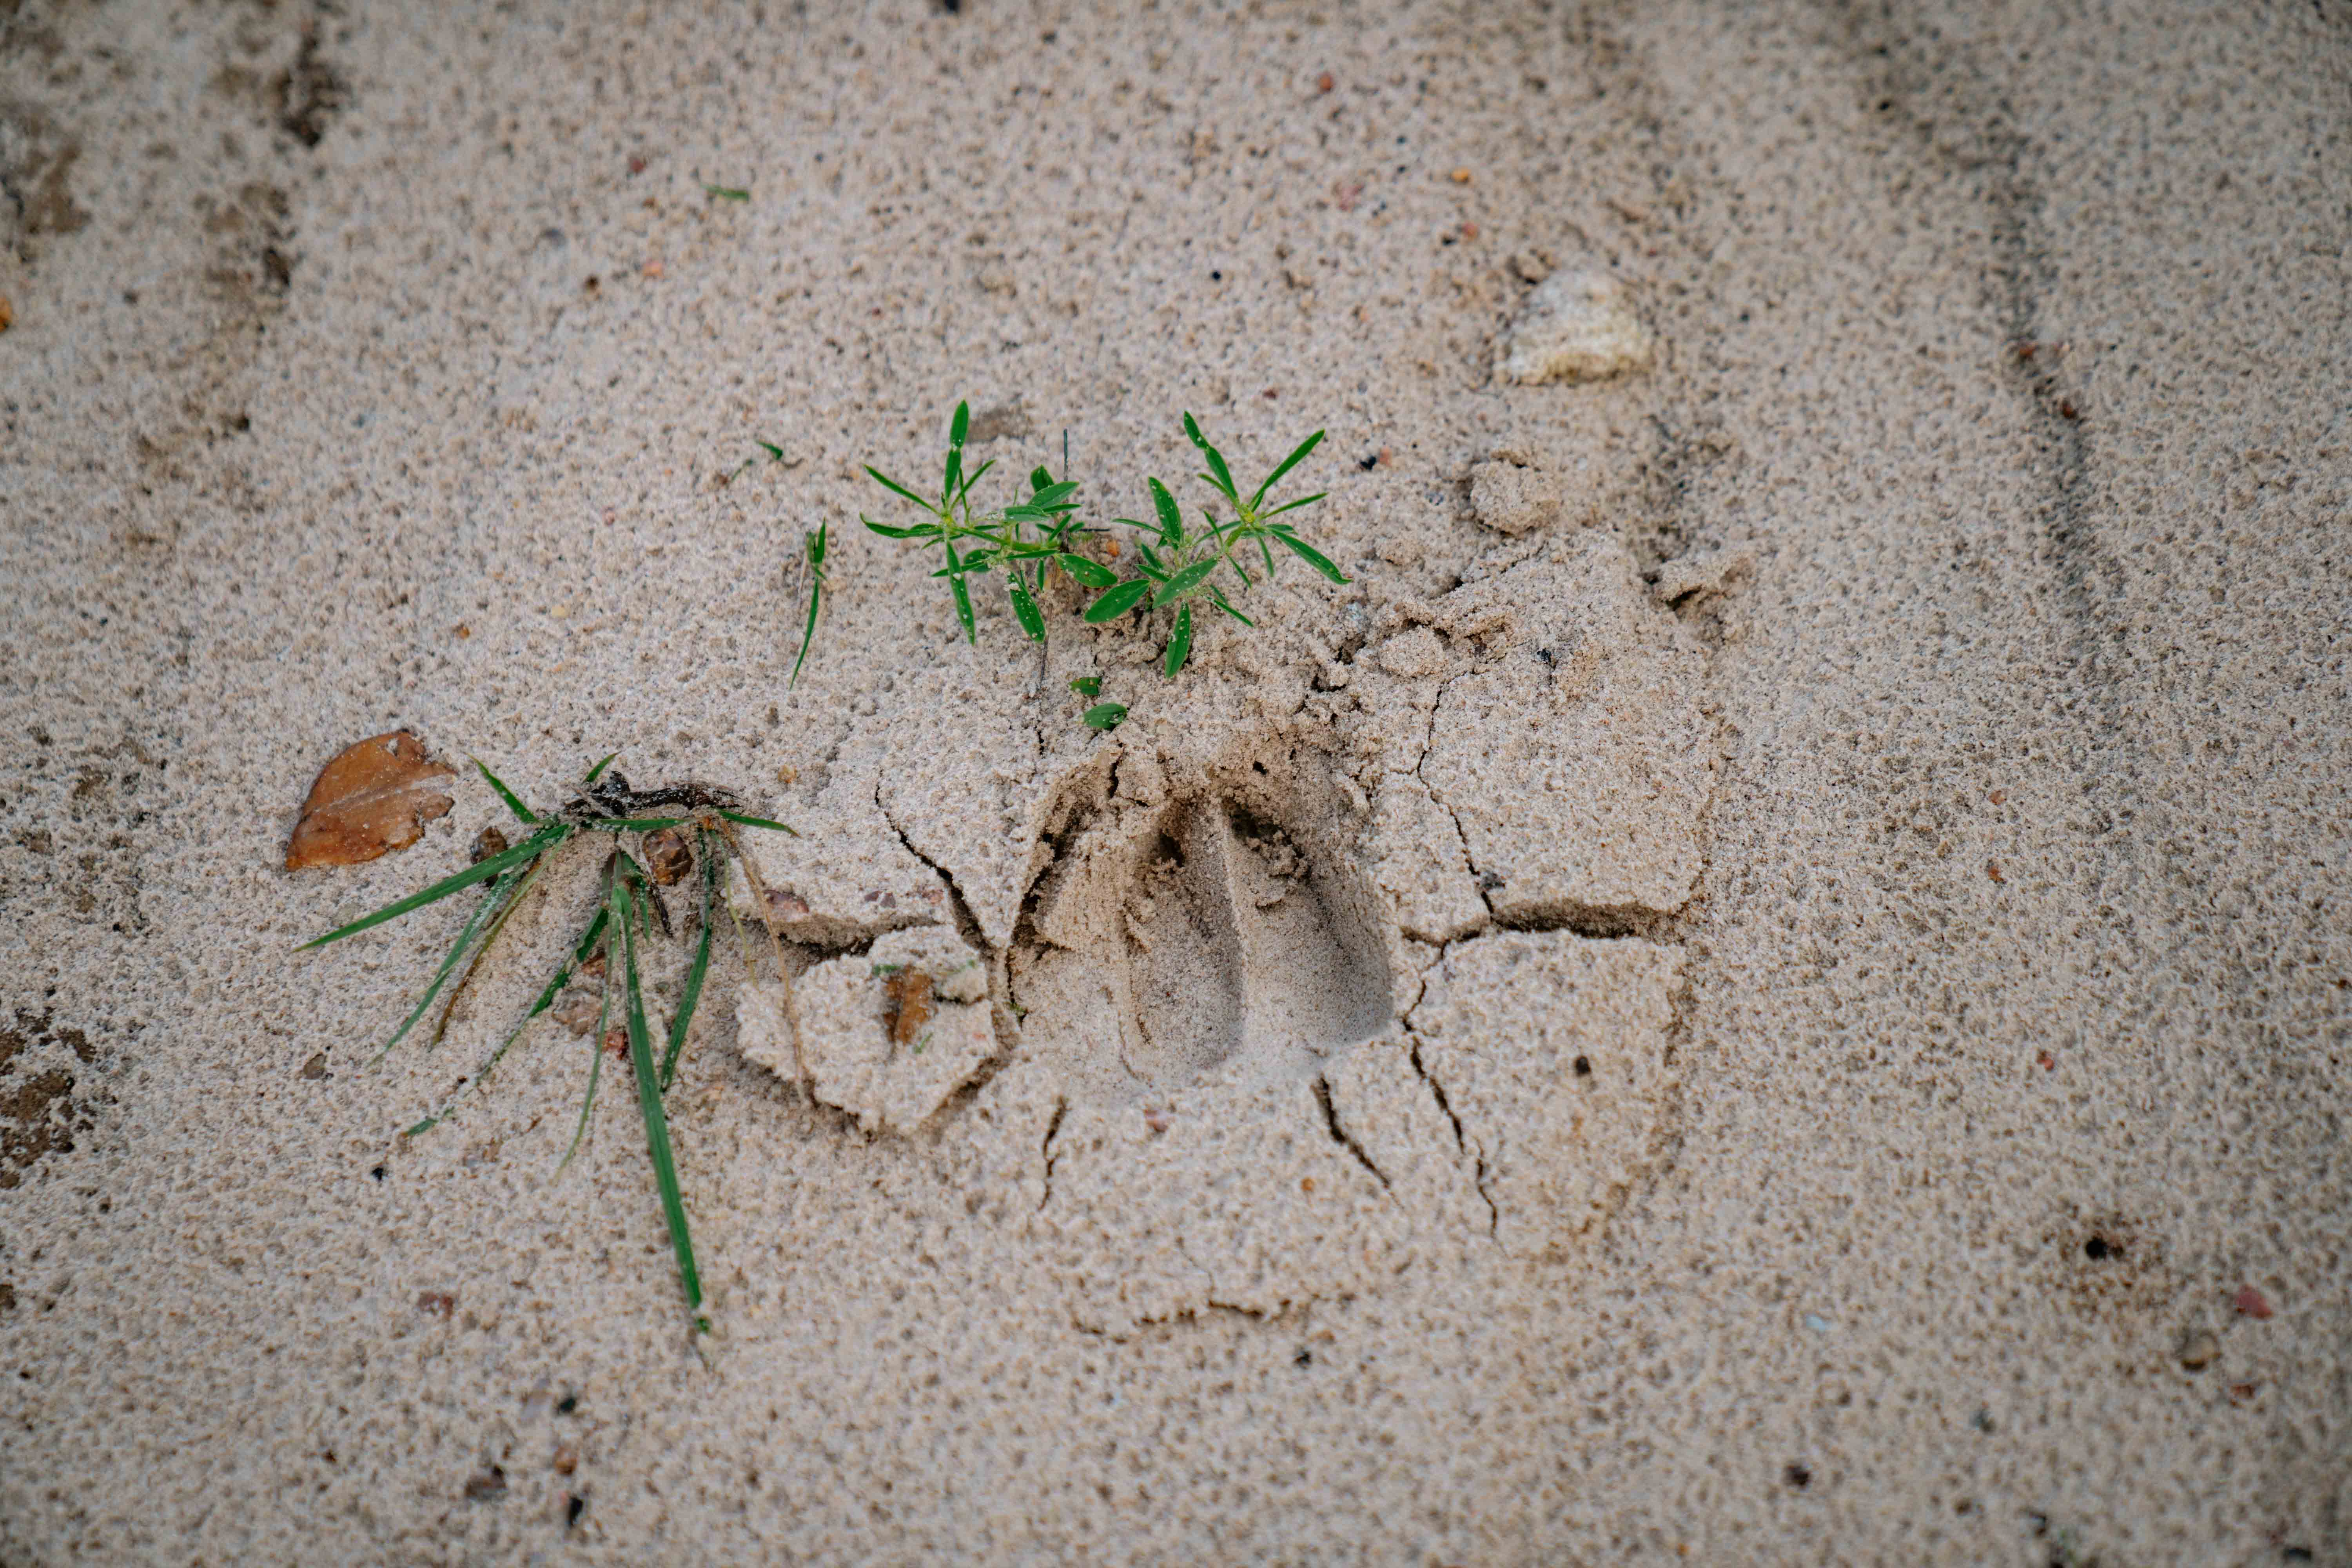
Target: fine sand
1769	982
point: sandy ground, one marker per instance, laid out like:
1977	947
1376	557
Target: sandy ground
1792	1012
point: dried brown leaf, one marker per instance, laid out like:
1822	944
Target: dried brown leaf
373	797
907	1005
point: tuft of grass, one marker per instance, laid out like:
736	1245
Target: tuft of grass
1181	565
626	906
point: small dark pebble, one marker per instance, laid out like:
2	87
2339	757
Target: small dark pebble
575	1505
316	1066
1797	1476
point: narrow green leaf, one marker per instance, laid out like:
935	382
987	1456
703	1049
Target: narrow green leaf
1285	467
813	545
632	823
760	822
1051	495
649	1105
1086	685
1103	715
609	917
692	995
919	531
1267	551
1117	601
580	951
500	891
1180	644
1184	582
1217	597
514	802
1171	516
1218	473
546	838
1026	608
598	771
726	193
1295	505
1309	553
963	608
959	426
972	478
1093	573
776	453
889	483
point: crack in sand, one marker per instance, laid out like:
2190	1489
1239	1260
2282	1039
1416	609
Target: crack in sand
1340	1136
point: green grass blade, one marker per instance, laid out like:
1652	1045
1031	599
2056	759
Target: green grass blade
633	824
1090	574
760	822
692	995
538	843
1171	516
888	530
1117	601
1180	644
598	771
814	550
1309	553
587	945
514	802
649	1104
500	891
1267	551
1285	467
596	1044
1295	505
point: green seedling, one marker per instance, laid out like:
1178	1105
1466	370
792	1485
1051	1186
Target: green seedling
628	904
1181	565
1104	715
726	193
812	560
973	542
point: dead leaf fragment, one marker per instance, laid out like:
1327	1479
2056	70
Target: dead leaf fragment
372	798
907	1005
7	313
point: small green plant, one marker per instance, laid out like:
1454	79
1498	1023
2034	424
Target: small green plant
1179	564
628	903
1187	562
973	542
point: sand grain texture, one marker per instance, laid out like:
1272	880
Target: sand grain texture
1892	729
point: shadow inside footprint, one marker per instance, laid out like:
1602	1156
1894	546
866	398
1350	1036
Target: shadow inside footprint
1213	931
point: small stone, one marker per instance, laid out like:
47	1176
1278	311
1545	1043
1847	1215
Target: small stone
2252	1303
580	1014
490	1486
567	1460
1576	326
316	1068
1513	497
487	843
2199	1351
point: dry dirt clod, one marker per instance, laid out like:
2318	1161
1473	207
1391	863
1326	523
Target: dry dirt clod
1577	325
580	1014
616	1040
667	855
372	798
487	843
